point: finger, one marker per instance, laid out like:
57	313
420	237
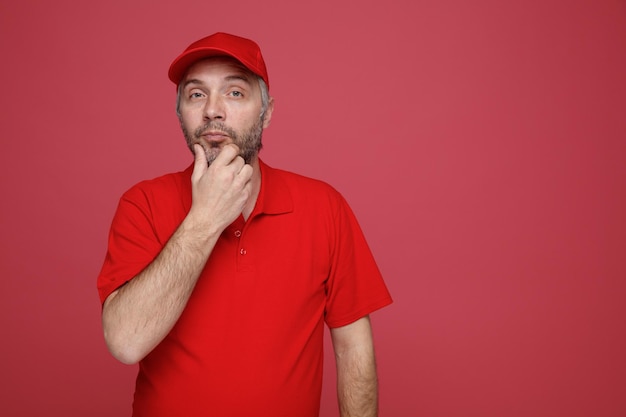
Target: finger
246	172
228	154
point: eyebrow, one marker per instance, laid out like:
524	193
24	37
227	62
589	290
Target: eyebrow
229	78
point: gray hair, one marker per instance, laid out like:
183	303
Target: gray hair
265	97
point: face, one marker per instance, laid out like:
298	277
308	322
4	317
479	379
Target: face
220	103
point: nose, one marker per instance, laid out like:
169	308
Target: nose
214	108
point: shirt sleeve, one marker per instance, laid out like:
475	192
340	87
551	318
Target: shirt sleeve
132	244
355	287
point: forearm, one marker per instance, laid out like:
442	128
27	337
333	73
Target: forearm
139	315
357	383
357	387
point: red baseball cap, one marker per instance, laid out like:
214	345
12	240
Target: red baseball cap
220	44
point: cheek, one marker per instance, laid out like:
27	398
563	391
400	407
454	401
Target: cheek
249	118
190	111
187	126
188	119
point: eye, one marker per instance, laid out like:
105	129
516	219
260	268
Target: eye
195	94
236	93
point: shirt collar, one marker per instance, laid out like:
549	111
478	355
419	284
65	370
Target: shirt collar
274	195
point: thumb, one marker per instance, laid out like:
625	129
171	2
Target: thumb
200	162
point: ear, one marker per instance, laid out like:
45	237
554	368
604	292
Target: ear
268	112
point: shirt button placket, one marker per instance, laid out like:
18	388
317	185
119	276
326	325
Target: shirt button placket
242	251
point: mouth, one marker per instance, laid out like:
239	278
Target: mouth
214	136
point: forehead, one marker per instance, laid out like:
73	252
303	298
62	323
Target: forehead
220	66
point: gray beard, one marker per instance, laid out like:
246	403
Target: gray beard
249	141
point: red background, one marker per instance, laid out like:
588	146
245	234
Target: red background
481	144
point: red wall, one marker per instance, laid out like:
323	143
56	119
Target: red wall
482	145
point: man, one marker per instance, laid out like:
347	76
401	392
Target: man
218	279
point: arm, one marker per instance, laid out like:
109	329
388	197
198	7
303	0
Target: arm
357	385
137	316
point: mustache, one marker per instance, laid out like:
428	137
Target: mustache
212	125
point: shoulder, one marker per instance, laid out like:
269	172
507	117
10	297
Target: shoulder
154	207
286	190
311	201
302	186
164	186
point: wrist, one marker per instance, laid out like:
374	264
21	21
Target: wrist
199	231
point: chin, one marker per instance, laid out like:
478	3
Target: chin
211	154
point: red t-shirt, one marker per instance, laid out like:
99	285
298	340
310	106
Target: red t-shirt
250	340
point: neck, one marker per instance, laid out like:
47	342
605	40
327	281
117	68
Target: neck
255	181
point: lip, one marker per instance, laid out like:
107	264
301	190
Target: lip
214	135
